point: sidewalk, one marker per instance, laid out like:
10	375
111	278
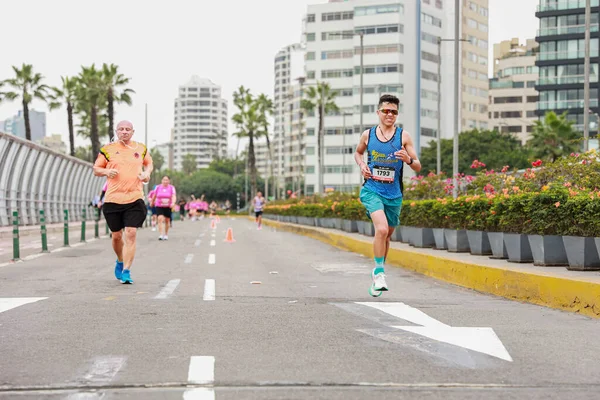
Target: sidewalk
555	287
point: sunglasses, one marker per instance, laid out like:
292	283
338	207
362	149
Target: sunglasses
386	111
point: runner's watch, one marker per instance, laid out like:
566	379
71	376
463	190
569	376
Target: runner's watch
411	161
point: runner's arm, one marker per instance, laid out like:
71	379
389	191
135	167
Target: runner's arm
149	166
359	155
408	152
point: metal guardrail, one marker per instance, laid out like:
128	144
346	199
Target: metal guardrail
34	178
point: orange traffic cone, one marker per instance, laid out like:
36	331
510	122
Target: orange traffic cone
229	237
213	224
218	219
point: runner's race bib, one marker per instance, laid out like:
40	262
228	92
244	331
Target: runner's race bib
165	202
384	174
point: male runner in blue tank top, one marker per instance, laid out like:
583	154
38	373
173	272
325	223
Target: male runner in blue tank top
388	148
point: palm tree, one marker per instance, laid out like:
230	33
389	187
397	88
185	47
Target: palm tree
27	85
66	95
554	137
249	123
266	110
90	96
323	98
113	80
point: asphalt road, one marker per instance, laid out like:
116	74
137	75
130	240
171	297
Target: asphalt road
272	316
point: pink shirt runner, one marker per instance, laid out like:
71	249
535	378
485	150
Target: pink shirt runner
164	195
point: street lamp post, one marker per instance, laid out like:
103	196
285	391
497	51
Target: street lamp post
456	98
586	85
344	151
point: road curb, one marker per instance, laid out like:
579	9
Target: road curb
555	292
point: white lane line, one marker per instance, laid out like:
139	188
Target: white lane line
188	258
212	243
10	303
201	235
168	289
77	244
86	396
199	394
209	289
212	259
197	243
213	234
202	370
104	369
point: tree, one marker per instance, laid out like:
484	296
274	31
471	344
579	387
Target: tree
248	122
323	98
28	86
493	148
84	153
228	166
214	185
90	96
189	164
158	161
113	80
66	95
554	137
266	110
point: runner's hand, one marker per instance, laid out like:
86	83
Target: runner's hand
402	155
365	170
144	177
111	173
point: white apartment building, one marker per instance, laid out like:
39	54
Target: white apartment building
200	124
395	62
513	98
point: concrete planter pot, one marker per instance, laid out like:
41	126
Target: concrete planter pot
309	221
479	244
548	251
328	222
517	247
423	237
440	239
349	226
369	229
361	227
457	240
337	223
405	234
497	244
397	235
581	253
319	222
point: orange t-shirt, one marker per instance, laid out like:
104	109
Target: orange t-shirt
126	187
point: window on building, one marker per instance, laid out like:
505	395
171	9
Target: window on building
431	20
427	37
341	35
429	76
508	99
310	74
377	29
380	69
383	9
336	54
310	151
429	132
530	114
382	48
430	57
310	18
336	73
310	169
337	16
310	37
310	131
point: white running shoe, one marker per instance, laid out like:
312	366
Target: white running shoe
165	237
379	283
160	237
153	229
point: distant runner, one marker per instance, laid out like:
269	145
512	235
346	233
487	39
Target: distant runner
258	202
164	199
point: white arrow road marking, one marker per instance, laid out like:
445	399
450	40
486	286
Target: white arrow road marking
197	243
482	340
188	258
104	369
10	303
209	289
212	259
212	243
168	289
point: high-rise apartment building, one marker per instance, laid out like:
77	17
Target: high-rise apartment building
398	59
561	59
513	98
200	124
474	64
16	125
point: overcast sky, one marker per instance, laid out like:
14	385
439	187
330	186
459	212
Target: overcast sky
159	45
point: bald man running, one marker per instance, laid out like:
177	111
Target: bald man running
127	165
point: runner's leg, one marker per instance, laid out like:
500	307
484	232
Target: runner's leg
129	248
117	244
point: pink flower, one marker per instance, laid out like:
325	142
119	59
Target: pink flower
504	169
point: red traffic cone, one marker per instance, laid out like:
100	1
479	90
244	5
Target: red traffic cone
229	237
213	224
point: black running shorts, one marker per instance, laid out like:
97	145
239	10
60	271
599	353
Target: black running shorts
257	213
119	216
165	211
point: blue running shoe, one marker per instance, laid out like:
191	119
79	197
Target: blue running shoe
126	277
118	269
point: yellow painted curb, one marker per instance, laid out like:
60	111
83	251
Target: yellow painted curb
555	292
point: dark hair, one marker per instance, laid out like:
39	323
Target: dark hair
388	98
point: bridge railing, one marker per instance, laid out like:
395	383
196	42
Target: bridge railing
34	178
